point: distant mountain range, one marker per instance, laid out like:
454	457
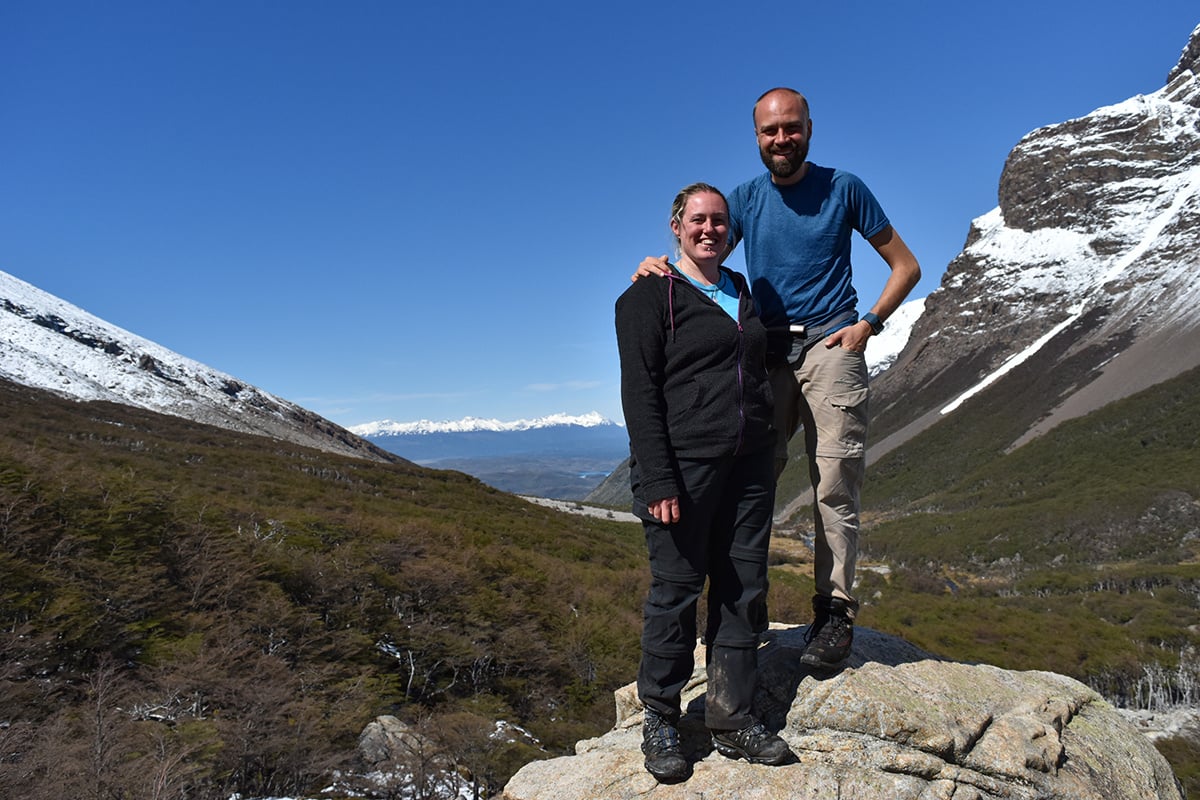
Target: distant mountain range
475	424
560	436
559	456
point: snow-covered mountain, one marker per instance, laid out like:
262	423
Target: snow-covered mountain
1081	285
48	343
883	349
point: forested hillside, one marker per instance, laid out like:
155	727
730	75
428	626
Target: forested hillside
192	612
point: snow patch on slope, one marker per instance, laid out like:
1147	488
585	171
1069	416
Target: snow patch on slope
883	349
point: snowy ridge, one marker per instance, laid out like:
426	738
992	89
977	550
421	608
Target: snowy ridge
49	344
1075	260
389	427
1066	244
1026	267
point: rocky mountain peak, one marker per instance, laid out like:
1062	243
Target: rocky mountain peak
1189	62
1090	173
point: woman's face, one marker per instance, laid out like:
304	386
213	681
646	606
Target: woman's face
703	228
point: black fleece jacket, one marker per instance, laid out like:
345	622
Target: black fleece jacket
693	381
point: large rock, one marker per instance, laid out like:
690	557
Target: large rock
896	724
387	740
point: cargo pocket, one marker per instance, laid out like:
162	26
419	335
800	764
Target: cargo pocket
843	431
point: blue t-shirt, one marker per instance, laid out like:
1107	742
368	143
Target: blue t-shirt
797	243
723	293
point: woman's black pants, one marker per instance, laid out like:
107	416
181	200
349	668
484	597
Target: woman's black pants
723	535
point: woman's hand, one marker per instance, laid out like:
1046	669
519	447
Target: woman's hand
665	511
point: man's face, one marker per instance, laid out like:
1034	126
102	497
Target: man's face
783	128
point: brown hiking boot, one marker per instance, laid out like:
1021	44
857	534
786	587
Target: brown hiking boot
830	636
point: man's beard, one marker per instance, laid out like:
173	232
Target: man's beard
786	168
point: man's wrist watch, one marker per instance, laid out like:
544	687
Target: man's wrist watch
874	321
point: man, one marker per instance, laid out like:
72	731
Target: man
796	222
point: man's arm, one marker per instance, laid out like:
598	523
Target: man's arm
658	266
905	274
651	266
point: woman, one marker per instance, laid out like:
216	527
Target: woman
697	406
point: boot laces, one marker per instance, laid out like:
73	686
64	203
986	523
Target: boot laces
753	735
660	735
827	628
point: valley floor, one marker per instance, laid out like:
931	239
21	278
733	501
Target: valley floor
572	507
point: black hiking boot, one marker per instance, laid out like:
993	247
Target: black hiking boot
830	636
754	743
660	744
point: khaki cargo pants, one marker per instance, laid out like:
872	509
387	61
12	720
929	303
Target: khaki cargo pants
825	392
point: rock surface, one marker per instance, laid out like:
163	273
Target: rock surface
896	724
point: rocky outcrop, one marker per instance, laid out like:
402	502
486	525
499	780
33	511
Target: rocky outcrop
1189	62
613	490
896	724
387	740
1088	174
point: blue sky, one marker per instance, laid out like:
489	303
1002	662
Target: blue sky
426	210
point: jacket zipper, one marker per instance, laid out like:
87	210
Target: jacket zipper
741	357
741	400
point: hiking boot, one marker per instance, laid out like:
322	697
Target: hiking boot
660	744
754	743
830	636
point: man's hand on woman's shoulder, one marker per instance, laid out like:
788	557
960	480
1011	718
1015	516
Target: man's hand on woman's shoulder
651	266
